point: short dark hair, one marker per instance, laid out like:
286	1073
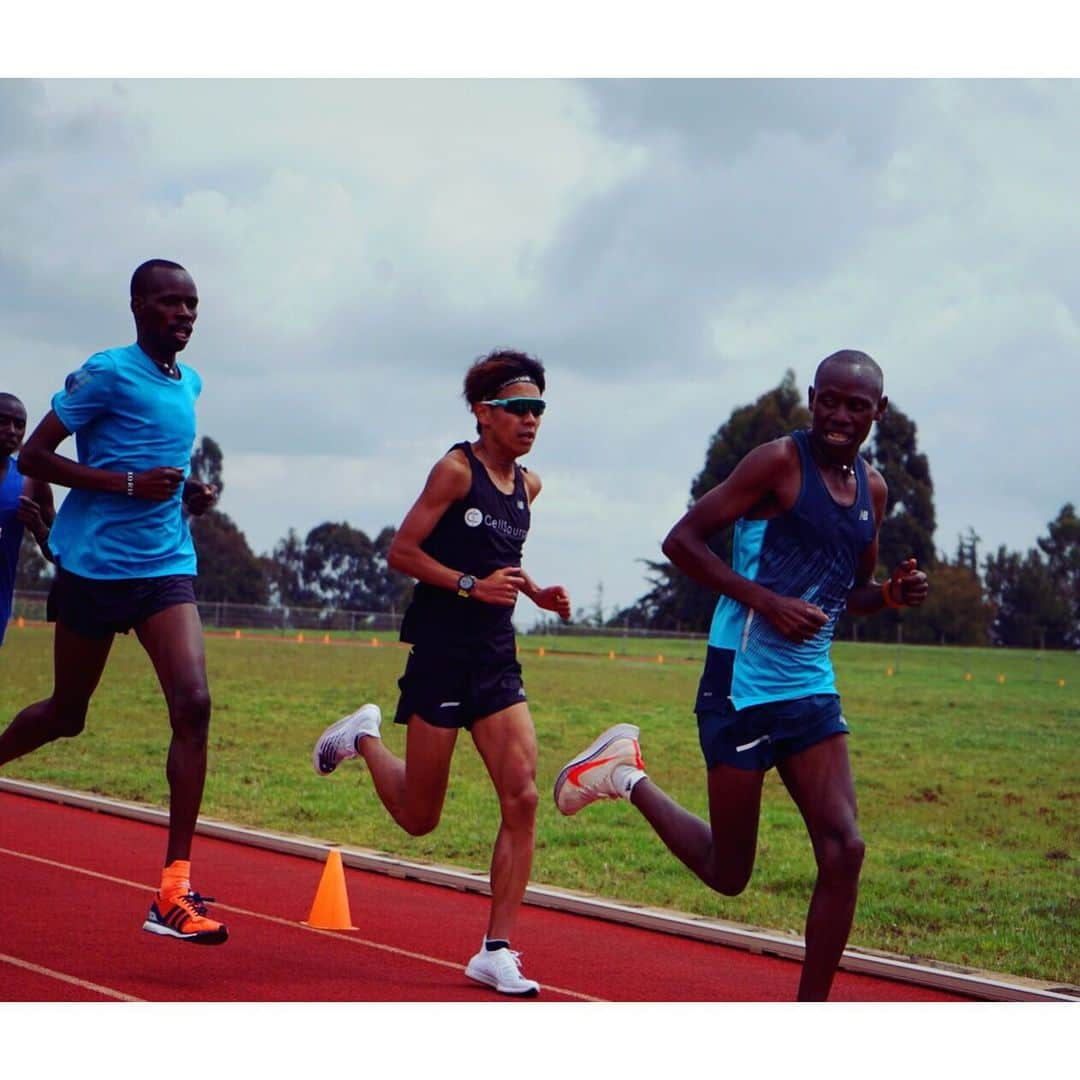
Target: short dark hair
854	358
498	369
141	277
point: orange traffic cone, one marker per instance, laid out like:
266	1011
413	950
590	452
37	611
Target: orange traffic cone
330	911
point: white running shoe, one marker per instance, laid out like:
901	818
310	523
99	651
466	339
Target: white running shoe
589	776
501	969
338	742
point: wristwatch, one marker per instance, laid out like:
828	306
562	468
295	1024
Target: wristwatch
465	585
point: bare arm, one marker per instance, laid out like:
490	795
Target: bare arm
447	482
39	460
37	512
553	597
906	587
766	479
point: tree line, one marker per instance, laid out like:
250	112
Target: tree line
1004	597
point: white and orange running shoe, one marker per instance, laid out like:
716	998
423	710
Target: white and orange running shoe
591	775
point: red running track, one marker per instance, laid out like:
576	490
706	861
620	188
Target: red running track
75	887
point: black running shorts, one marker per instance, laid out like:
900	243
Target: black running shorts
453	691
95	608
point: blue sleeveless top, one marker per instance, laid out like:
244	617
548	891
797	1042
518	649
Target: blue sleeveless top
810	551
11	534
476	535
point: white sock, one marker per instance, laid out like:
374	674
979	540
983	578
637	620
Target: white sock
624	777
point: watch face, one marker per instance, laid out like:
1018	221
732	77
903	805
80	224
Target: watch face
466	582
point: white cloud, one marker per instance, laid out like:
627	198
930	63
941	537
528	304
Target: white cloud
669	250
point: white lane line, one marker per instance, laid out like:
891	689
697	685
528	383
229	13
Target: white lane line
278	921
37	969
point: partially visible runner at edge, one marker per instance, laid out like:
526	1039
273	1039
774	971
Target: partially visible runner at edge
125	558
25	503
807	510
462	540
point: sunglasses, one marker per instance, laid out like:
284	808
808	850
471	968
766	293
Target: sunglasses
519	406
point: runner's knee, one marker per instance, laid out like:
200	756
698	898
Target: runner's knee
423	823
68	721
841	856
189	713
519	804
730	880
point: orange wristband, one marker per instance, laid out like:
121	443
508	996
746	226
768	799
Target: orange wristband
887	596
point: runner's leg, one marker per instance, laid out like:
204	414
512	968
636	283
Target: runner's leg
412	790
819	780
77	666
722	852
173	639
506	741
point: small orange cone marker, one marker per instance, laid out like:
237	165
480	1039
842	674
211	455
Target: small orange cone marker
330	911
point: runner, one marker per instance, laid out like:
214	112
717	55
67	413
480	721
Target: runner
126	561
807	510
24	504
463	541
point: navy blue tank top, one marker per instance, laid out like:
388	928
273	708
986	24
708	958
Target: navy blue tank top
811	551
477	535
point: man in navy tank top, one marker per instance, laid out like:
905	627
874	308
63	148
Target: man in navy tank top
806	510
25	503
125	558
462	540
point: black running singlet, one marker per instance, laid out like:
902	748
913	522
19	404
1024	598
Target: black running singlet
477	535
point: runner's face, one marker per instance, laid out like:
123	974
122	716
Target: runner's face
12	425
166	311
844	403
516	433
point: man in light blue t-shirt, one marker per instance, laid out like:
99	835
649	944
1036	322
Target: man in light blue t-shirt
125	558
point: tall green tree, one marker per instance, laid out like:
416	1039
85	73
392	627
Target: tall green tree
908	527
284	570
208	464
337	567
229	570
1032	612
675	602
1062	550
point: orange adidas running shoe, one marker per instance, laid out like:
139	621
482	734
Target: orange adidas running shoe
185	917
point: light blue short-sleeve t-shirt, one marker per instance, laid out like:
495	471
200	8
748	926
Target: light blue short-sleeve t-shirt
126	416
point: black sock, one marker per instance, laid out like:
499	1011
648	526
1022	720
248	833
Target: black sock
499	943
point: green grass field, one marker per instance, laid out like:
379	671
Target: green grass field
968	788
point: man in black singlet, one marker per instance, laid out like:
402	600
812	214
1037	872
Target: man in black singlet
462	540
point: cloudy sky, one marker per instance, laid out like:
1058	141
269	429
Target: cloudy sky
667	248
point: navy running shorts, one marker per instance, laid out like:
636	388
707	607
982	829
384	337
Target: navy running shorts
451	690
94	608
762	736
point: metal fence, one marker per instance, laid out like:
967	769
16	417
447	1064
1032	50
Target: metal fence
222	615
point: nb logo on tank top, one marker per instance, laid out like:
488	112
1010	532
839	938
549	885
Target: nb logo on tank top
473	517
864	515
